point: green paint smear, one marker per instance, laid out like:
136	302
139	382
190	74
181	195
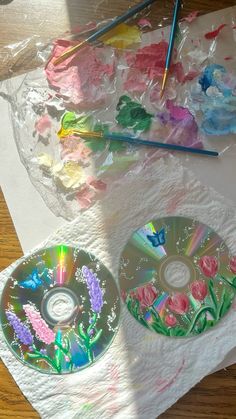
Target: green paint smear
100	144
72	121
118	164
133	115
86	123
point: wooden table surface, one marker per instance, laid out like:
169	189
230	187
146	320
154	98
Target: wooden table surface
215	396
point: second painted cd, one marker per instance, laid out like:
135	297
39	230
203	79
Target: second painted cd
176	276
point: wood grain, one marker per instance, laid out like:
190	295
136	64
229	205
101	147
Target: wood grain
215	396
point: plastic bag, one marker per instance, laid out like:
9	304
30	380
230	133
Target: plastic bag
115	87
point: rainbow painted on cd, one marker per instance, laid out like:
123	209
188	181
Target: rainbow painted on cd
60	310
176	277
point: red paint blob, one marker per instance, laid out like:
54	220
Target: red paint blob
215	33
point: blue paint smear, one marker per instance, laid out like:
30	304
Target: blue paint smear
219	122
207	79
218	105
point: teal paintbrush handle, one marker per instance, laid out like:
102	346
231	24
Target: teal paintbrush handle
172	33
120	19
171	147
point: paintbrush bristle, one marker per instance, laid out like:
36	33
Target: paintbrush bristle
69	52
164	80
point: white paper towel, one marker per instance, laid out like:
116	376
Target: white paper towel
142	374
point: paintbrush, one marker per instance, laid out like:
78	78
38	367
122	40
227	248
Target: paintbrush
171	44
115	22
139	141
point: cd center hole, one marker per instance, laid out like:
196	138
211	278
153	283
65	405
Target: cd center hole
60	306
177	274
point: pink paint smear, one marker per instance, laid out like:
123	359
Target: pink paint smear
150	60
80	79
89	192
169	383
43	125
191	17
74	150
179	113
144	23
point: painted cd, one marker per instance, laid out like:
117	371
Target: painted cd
176	277
60	310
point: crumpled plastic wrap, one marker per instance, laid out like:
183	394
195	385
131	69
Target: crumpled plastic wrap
114	86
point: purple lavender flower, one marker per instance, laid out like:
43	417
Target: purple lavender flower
21	330
95	292
91	332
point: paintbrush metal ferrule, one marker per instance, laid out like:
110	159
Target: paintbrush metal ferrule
164	80
88	134
69	52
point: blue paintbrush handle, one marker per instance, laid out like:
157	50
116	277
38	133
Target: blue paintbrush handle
116	21
172	33
173	147
120	19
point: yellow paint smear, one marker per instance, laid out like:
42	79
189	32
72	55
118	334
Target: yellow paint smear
122	36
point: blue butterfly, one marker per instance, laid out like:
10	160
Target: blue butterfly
158	239
32	281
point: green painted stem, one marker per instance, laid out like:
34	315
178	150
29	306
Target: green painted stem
65	352
227	281
159	321
197	316
90	354
187	317
46	358
58	354
89	341
62	349
219	308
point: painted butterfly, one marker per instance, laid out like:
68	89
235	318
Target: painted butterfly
32	281
158	239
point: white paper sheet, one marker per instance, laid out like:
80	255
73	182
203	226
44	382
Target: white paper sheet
32	219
